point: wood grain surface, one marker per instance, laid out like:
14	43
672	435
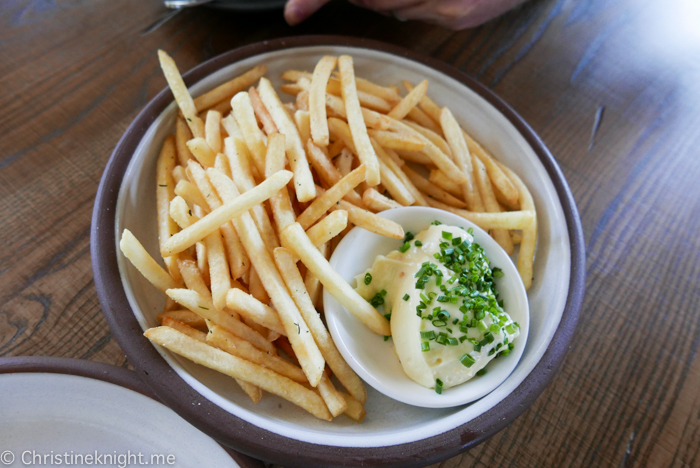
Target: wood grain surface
611	86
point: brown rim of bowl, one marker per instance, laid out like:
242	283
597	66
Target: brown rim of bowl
260	443
98	371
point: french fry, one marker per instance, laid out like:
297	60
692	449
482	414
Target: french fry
295	239
257	290
418	158
354	409
212	130
184	328
417	115
302	119
179	171
317	100
370	221
431	189
243	178
242	109
225	213
238	368
340	130
448	185
181	94
377	202
440	159
286	264
312	284
191	194
344	162
261	112
490	203
334	400
295	75
487	221
202	152
202	306
280	203
251	308
395	163
426	104
372	118
194	279
397	141
388	94
367	100
356	122
324	202
224	92
327	171
219	274
223	339
292	89
184	316
303	180
528	243
328	227
164	193
391	181
516	237
238	260
434	137
410	101
302	101
251	390
499	180
182	136
144	263
310	357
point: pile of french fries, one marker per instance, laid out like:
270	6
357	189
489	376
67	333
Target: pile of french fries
248	186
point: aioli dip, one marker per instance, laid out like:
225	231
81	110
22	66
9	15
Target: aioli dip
438	292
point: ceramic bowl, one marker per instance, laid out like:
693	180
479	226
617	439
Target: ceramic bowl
374	358
394	433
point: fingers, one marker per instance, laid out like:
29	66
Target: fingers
296	11
384	6
457	14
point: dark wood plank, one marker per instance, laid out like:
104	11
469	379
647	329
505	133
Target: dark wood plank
74	74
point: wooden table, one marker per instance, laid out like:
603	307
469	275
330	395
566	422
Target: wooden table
74	74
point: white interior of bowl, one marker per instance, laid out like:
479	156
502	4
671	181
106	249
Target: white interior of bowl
388	421
375	359
56	413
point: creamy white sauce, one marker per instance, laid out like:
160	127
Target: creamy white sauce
395	274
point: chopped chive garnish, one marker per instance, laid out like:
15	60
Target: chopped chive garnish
425	346
494	328
467	360
436	223
406	297
368	279
405	247
386	338
497	273
439	323
447	235
418	243
481	371
408	237
481	326
463	338
438	386
452	341
427	335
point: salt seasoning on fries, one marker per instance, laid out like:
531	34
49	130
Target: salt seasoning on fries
226	203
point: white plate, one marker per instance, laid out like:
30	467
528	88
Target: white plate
374	359
388	422
54	414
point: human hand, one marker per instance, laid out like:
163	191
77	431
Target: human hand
454	14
